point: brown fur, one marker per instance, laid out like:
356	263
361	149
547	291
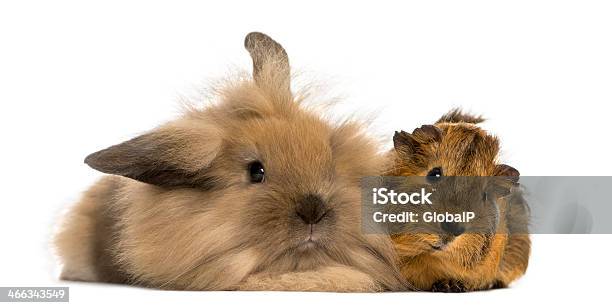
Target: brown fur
179	211
470	261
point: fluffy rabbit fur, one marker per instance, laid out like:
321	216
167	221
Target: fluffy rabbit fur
180	209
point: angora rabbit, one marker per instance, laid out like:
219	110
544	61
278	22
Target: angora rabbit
252	193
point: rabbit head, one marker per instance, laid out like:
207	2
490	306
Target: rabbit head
255	183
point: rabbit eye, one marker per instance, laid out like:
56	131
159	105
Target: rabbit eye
434	175
256	172
485	197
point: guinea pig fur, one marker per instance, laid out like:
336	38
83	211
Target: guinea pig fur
451	261
254	192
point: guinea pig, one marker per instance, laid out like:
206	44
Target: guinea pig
451	258
252	192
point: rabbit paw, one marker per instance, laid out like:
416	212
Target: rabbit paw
448	286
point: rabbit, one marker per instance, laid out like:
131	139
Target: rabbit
254	192
451	259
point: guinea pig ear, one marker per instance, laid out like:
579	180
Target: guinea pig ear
270	62
171	156
404	143
409	144
506	177
507	171
428	134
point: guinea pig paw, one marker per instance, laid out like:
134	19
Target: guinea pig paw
448	286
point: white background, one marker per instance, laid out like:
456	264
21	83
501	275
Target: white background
77	76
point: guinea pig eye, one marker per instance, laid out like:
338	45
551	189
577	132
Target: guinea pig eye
434	175
256	172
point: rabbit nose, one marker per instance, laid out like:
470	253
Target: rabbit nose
311	209
452	228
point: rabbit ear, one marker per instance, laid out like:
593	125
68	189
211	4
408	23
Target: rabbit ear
170	156
270	61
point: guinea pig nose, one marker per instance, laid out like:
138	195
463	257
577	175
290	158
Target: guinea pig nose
310	208
452	228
